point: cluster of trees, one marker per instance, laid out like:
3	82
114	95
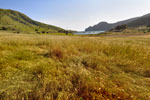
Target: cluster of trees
9	28
17	32
65	31
39	32
59	31
119	28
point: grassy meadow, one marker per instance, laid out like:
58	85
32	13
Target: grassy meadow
52	67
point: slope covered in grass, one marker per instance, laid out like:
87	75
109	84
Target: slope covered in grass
16	21
39	67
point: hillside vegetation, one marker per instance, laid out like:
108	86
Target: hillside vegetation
15	21
45	67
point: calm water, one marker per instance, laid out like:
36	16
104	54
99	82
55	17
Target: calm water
89	32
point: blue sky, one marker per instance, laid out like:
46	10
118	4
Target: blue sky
78	14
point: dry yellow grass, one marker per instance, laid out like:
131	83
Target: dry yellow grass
46	67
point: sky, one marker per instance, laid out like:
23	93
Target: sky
78	14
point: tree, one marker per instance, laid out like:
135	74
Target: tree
43	31
3	28
36	30
18	32
66	32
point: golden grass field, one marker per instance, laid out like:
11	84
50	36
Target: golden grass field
50	67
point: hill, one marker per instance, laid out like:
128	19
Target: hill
18	22
107	26
141	21
133	22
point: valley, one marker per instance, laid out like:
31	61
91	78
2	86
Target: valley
45	62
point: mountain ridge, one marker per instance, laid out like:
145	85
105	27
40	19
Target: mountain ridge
132	22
